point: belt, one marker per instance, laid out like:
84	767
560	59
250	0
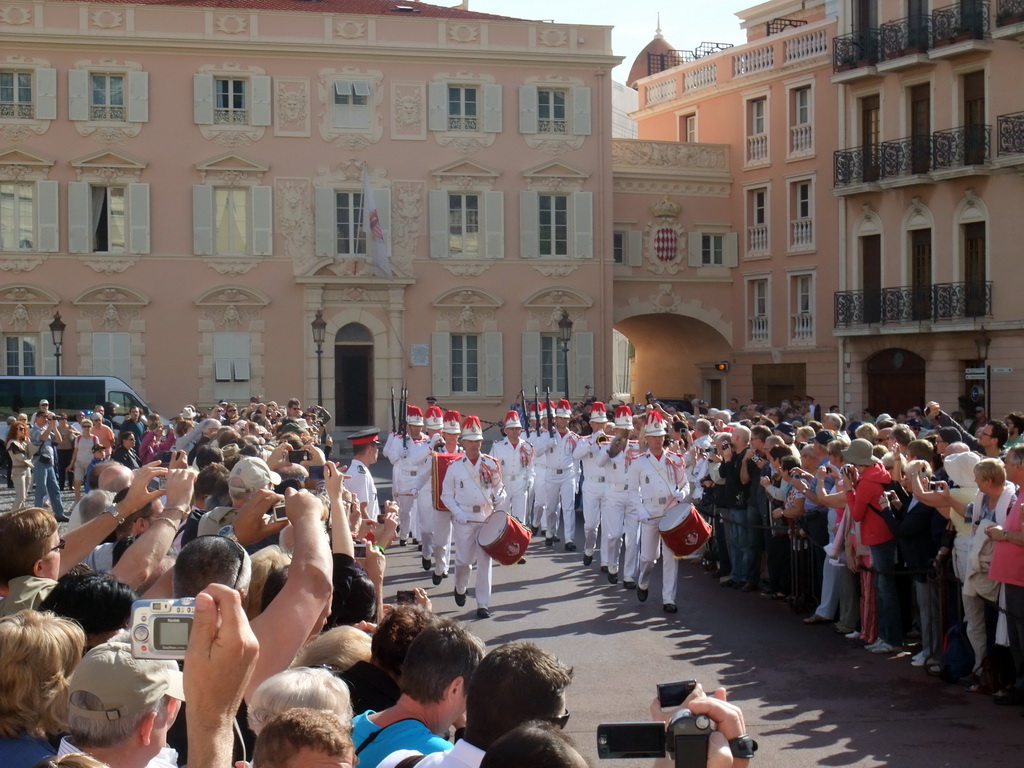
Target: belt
663	501
595	479
619	486
413	473
560	471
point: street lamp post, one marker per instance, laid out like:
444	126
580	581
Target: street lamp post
57	327
982	341
564	334
319	326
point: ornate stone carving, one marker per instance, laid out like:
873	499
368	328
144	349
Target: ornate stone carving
109	265
19	264
556	270
552	37
665	300
553	146
112	294
555	176
109	134
408	110
669	155
467	318
670	187
407	203
111	317
472	269
231	24
351	138
18	132
232	169
350	30
232	135
291	106
15	15
230	318
295	222
106	19
463	33
233	266
108	166
19	317
666	238
21	294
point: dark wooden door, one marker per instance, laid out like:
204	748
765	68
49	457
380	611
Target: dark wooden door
975	274
870	135
921	274
353	376
896	381
871	277
975	138
920	128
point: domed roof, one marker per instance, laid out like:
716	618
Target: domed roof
659	45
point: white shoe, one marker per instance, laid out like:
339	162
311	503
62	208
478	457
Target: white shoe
872	646
852	635
883	647
917	661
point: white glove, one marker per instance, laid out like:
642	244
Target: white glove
460	517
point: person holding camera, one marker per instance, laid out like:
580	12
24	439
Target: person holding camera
45	436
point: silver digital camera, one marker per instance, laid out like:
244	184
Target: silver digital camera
161	628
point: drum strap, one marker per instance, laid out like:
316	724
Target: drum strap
474	475
373	736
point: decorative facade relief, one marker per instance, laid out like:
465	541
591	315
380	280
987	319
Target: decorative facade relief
106	19
19	264
295	222
678	156
472	269
353	126
555	176
108	264
666	238
463	33
291	106
552	142
231	24
233	267
232	135
546	306
108	167
556	270
665	300
467	309
23	306
111	129
20	122
407	205
350	30
466	142
552	37
408	110
15	15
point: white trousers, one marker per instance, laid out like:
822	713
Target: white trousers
613	511
441	543
651	548
518	498
467	552
425	518
560	491
593	506
408	517
631	531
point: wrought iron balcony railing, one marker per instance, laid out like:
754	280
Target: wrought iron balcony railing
778	25
958	147
908	304
659	62
963	21
859	49
1009	12
855	166
904	37
905	157
1010	133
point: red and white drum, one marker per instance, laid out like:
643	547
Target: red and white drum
503	537
439	469
683	530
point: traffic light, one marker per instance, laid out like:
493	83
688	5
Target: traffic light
722	366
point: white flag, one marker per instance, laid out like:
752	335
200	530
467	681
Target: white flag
376	248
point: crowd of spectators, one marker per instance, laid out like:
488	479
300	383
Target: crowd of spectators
293	657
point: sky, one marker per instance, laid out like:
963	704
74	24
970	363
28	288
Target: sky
684	23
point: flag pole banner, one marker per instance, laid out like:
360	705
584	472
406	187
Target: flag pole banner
376	248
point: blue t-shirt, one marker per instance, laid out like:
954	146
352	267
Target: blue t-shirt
405	734
24	752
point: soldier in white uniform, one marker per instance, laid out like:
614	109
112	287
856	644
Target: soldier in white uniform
433	420
515	457
559	489
592	452
442	544
406	454
659	478
539	472
619	513
472	489
365	449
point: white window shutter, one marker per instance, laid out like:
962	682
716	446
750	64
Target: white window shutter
47	216
581	111
202	220
730	257
382	197
583	343
46	94
138	218
222	369
202	99
494	225
492	109
441	363
78	94
325	218
260	100
531	360
529	224
635	248
138	97
262	221
240	368
693	249
527	108
437	204
437	106
45	354
583	225
494	374
79	218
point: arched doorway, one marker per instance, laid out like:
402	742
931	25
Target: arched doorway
895	381
353	376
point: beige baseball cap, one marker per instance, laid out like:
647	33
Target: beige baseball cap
251	474
126	686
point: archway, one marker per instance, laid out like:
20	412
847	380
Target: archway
353	376
896	381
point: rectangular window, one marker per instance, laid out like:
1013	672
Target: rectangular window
465	363
802	293
16	95
551	111
17	216
552	363
349	220
463	108
689	128
230	105
757	224
107	97
801	234
108	220
351	104
712	249
554	225
231	220
801	134
463	225
975	272
111	355
618	247
21	355
921	273
757	130
757	311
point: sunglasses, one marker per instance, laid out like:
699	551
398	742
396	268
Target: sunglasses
561	721
59	546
